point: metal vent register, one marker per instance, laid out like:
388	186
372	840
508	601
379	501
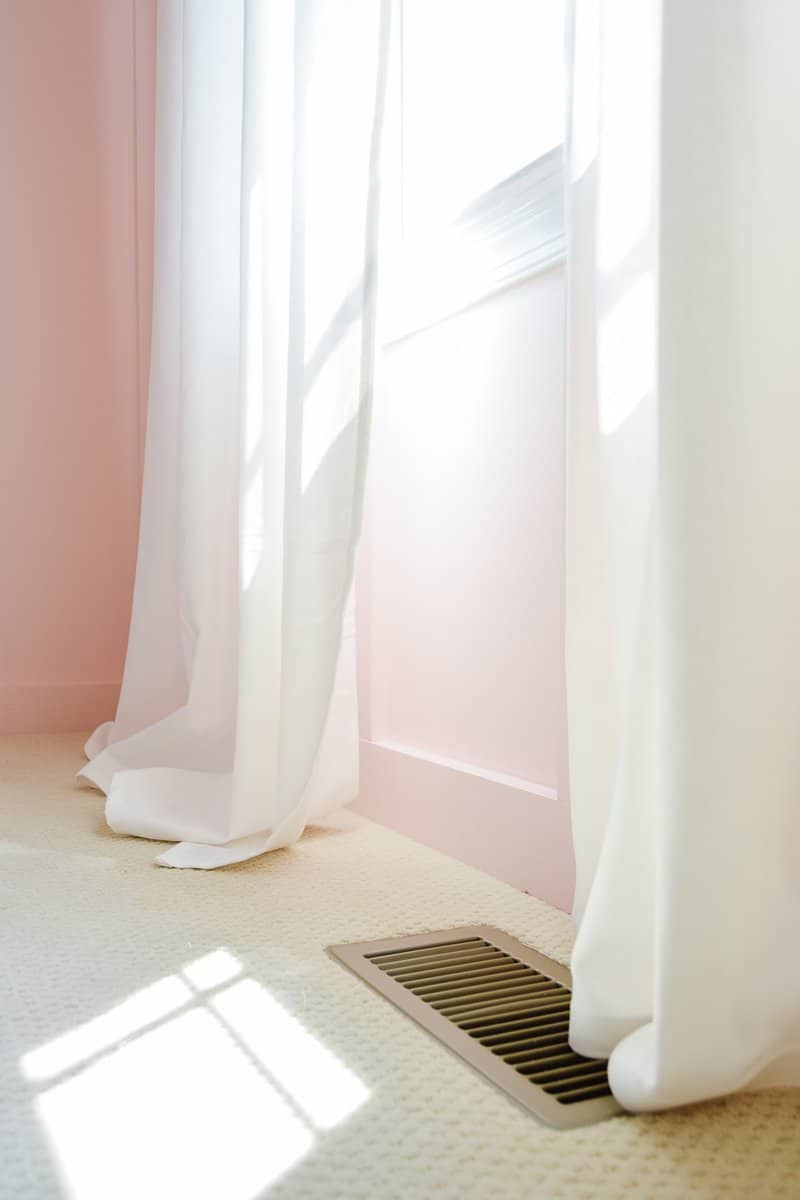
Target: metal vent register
500	1006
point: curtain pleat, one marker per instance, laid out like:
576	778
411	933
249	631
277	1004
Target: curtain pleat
237	720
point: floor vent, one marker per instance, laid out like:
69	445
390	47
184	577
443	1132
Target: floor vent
500	1006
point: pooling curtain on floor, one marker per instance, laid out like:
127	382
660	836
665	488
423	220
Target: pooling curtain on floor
683	610
237	718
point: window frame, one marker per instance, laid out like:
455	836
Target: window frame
507	234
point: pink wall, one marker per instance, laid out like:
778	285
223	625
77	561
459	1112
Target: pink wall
76	112
460	591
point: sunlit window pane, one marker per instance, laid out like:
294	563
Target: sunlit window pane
483	95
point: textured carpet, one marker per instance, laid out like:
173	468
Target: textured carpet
183	1034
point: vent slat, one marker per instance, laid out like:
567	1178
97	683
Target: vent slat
538	1050
556	1074
545	1006
452	981
576	1095
479	958
574	1087
504	1007
477	961
440	961
498	1028
445	979
505	1043
489	995
551	1057
486	983
388	956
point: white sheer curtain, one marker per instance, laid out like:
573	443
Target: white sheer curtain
683	637
237	719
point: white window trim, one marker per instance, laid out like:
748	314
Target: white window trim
513	231
508	234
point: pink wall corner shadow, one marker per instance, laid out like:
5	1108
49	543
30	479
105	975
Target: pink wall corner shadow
76	141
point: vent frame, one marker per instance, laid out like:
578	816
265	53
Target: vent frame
358	957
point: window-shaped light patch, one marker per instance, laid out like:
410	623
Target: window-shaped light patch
201	1085
145	1007
323	1087
213	969
179	1112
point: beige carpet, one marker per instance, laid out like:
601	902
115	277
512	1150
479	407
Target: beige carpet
183	1034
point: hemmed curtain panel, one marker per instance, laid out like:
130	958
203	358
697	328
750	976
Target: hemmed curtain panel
237	720
683	515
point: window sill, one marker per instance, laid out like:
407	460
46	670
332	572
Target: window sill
512	232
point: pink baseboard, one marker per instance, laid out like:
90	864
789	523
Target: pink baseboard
509	828
56	707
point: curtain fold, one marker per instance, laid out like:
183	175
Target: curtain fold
683	519
237	720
